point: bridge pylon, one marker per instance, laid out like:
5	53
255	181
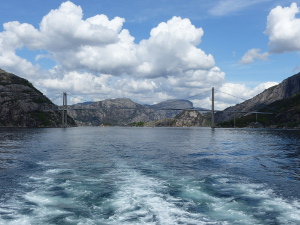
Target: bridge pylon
212	107
64	114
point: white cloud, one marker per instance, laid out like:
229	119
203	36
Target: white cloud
283	29
71	41
97	59
76	82
10	41
252	54
261	87
172	50
101	45
15	64
65	25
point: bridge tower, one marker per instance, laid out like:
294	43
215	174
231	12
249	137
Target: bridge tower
64	114
212	107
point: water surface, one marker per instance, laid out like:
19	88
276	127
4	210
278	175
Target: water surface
120	175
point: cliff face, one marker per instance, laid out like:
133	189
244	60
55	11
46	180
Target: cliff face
190	119
285	89
184	119
123	111
20	104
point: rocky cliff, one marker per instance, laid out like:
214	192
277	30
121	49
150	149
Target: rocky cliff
21	104
187	118
284	90
123	111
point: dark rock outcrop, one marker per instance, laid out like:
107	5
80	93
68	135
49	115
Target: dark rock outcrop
21	104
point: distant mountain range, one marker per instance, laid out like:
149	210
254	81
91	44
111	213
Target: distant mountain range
123	111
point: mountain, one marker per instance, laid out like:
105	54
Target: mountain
286	114
187	118
20	104
286	89
123	111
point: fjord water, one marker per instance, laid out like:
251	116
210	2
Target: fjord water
120	175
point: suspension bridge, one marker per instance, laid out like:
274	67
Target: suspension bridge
64	109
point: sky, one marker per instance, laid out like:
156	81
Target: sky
151	50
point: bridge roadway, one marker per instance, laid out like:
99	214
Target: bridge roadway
60	108
64	108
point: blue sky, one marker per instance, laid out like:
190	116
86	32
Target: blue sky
151	50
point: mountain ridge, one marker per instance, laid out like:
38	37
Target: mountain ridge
123	111
283	90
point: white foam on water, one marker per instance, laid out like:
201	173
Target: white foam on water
145	200
222	209
20	221
39	205
140	198
288	212
251	204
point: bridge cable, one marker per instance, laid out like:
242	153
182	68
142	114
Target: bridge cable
263	105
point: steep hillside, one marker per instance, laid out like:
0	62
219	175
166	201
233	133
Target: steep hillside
123	111
20	104
285	89
286	114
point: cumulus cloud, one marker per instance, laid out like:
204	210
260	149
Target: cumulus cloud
101	45
66	26
16	64
172	50
73	42
10	41
253	54
283	29
96	58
